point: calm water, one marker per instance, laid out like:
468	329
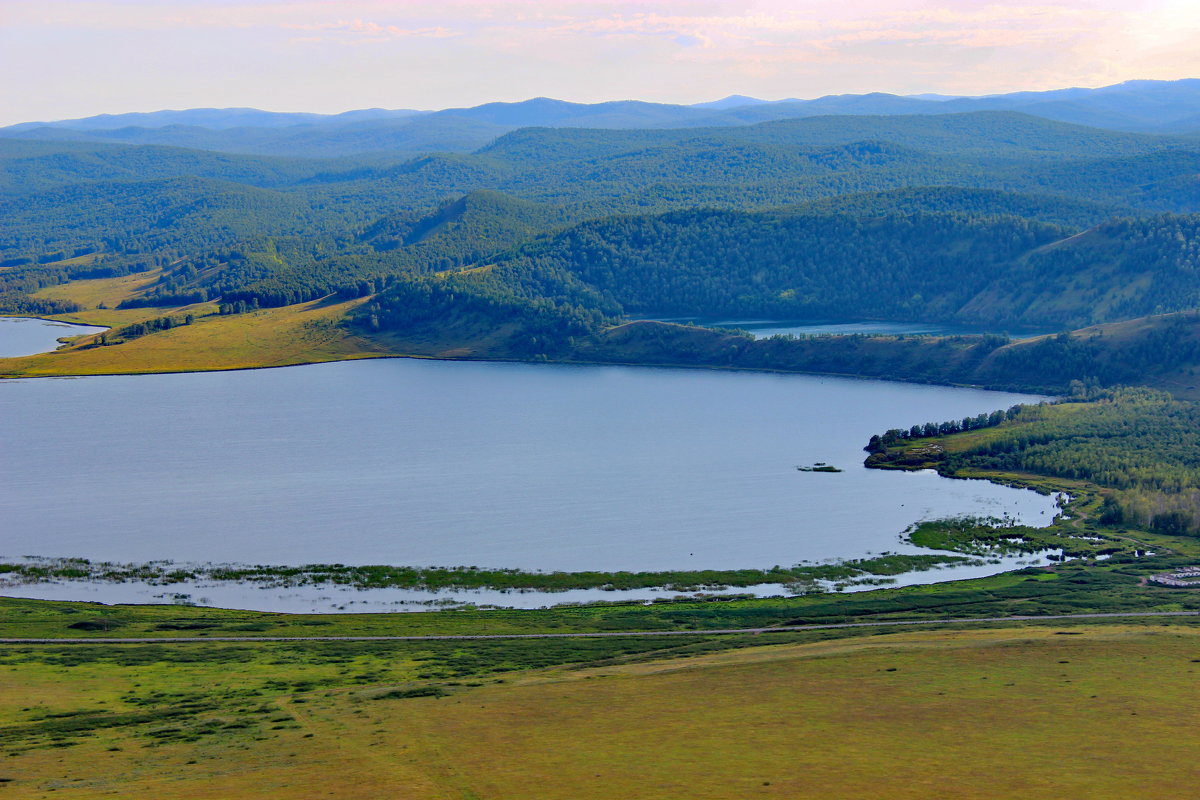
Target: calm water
422	462
22	336
763	328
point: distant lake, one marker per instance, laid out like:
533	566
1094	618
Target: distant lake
23	336
415	462
763	328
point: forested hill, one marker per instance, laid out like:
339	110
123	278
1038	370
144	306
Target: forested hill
1122	269
982	269
987	134
32	166
138	205
988	218
1161	351
791	265
1069	212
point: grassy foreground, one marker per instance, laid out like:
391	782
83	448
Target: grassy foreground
952	714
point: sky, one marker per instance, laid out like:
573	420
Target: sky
73	58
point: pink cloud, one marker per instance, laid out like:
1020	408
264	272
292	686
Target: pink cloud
109	54
372	31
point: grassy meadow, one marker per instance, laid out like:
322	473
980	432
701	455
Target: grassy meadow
298	334
98	293
1098	710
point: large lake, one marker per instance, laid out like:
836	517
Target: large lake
416	462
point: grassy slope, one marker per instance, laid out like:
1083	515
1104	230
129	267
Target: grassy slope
300	334
1181	381
101	291
952	714
1099	290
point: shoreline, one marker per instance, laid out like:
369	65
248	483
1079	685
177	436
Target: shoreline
332	597
501	360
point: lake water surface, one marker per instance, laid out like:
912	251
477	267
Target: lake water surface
414	462
25	336
763	328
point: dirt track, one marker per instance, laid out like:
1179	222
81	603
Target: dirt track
490	636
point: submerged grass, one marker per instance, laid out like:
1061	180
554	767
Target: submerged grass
983	536
1114	585
162	573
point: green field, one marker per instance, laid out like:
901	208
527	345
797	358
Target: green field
957	713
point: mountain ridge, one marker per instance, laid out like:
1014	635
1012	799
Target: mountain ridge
1135	106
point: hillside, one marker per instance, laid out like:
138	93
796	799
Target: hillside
874	261
1121	269
1065	211
31	166
789	265
595	173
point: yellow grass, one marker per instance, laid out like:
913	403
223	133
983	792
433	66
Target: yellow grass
963	715
1001	713
299	334
106	291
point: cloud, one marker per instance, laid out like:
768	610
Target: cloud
730	36
114	55
358	30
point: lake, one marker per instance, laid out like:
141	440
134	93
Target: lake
25	336
763	328
420	462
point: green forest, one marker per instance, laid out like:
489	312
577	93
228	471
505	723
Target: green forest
1141	446
966	217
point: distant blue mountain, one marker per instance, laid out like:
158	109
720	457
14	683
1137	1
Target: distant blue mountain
214	118
733	101
1136	106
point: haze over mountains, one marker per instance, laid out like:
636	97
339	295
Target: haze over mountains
1139	106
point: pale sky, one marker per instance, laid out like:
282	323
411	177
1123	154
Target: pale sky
73	58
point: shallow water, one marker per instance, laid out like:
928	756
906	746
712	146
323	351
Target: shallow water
26	336
331	599
764	328
414	462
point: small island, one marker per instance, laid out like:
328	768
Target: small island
820	466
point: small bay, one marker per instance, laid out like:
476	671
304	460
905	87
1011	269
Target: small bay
27	336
